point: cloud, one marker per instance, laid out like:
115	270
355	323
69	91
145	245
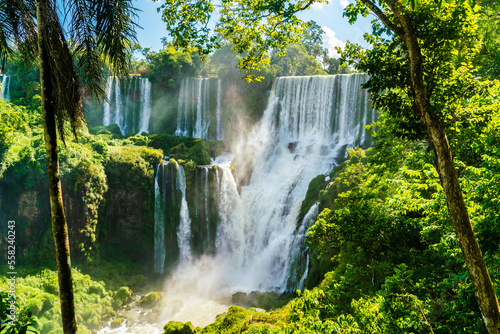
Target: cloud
344	3
319	5
331	41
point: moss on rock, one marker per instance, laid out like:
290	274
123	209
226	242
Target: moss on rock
150	300
113	129
176	327
122	296
116	323
312	196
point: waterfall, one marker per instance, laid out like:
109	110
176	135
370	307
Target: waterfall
118	107
220	131
182	110
304	132
201	106
230	234
299	249
5	92
159	227
129	104
198	105
145	105
305	129
107	103
206	199
184	231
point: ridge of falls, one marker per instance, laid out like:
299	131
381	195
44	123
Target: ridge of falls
5	89
199	109
256	241
129	104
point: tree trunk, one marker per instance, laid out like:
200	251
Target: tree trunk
483	287
59	226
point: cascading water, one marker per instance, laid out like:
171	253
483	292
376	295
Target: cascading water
107	103
220	131
198	109
159	229
119	119
5	89
129	104
304	131
184	231
299	251
205	202
230	233
146	105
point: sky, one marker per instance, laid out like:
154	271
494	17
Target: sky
328	16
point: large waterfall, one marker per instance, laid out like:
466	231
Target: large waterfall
129	104
5	89
308	123
305	130
199	110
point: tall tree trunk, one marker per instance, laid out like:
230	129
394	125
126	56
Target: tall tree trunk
483	287
59	226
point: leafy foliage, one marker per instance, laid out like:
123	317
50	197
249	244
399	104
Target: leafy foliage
12	322
447	49
38	295
252	27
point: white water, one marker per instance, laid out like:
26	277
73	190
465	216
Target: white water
220	131
299	238
195	109
145	105
118	107
123	109
5	89
132	326
159	229
202	120
207	215
305	129
182	110
107	103
184	231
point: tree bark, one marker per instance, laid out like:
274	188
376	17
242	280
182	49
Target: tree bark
59	226
483	287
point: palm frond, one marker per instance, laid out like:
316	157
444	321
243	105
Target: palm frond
63	75
82	32
101	30
18	29
116	32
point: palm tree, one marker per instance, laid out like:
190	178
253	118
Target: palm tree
99	31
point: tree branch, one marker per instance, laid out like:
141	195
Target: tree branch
385	20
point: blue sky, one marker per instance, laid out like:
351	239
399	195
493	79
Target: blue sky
329	16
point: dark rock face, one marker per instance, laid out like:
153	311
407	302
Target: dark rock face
109	219
29	208
125	215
